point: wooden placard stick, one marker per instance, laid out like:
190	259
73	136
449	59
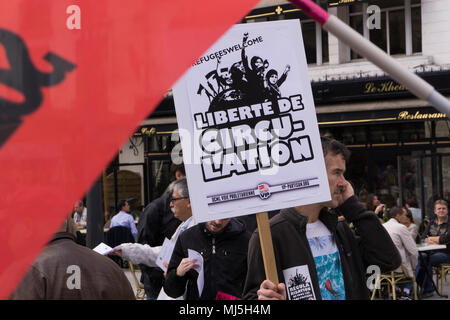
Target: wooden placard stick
265	238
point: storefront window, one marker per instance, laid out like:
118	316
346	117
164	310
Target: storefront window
314	37
393	34
397	32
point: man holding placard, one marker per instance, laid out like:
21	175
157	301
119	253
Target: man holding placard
316	256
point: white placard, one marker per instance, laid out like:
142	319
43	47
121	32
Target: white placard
249	136
194	255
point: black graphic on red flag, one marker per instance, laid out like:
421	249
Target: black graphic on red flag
23	77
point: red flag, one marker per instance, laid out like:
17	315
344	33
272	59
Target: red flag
69	99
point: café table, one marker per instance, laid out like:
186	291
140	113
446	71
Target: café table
425	250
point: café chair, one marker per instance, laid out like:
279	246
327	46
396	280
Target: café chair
391	279
442	271
140	292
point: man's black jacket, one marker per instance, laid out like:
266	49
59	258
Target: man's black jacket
225	262
371	245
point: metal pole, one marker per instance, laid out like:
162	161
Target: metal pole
95	219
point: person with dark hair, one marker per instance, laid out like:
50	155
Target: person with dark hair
177	171
437	232
254	73
65	270
412	205
413	228
405	244
124	218
273	83
316	256
373	204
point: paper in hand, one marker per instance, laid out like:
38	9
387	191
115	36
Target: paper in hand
194	255
165	254
103	249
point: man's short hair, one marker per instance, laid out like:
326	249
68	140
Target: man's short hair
412	202
174	168
409	215
121	204
441	201
330	145
181	186
394	212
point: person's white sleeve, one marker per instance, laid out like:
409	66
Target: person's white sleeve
414	232
410	246
83	220
138	253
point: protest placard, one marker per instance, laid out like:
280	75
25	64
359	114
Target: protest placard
248	125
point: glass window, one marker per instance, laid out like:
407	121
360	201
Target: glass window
383	133
379	36
397	32
355	8
416	21
356	22
412	131
391	36
309	39
325	55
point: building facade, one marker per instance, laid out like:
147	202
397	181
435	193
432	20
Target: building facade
400	144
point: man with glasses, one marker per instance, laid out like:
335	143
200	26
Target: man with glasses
180	203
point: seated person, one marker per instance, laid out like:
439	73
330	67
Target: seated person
405	244
437	232
124	218
411	225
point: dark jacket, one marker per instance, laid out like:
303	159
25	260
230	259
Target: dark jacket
157	223
442	230
225	262
53	276
371	246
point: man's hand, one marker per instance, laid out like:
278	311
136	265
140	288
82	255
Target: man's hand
432	240
185	265
346	191
117	251
269	291
379	208
165	264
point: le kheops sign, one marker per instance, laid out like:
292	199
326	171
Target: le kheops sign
248	126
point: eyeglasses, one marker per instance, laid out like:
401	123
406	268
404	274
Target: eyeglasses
175	199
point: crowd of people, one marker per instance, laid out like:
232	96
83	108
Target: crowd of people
322	250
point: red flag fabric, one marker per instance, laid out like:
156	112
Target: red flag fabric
71	96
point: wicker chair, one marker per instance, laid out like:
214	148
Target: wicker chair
140	292
391	279
441	272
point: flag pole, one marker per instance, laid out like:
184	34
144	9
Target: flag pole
367	49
